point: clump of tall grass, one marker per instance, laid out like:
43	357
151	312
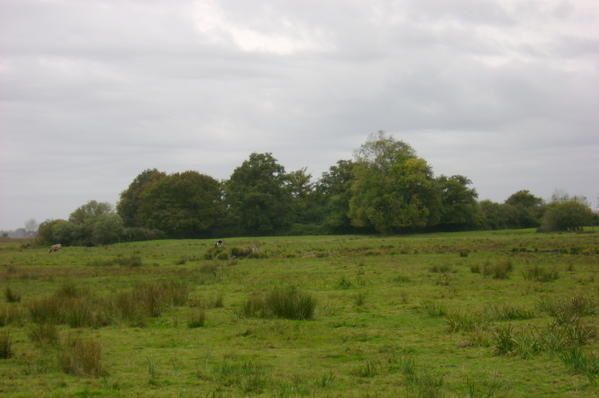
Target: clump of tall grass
504	340
289	303
443	269
44	333
344	283
540	274
498	270
197	319
249	376
9	314
434	309
465	321
81	357
567	308
11	296
5	345
507	312
580	363
369	368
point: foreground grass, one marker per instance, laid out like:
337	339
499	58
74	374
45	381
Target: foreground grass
491	314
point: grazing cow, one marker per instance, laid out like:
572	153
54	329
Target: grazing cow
219	243
55	248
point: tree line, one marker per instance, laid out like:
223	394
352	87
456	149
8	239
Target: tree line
386	188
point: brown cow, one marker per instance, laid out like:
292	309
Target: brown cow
55	248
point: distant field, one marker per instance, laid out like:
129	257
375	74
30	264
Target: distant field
476	314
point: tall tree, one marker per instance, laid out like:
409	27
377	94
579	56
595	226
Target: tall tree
527	209
458	202
187	204
393	188
334	194
257	196
130	201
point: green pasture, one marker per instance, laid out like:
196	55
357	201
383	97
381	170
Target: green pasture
472	314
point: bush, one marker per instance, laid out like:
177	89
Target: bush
81	357
5	345
566	215
504	340
288	303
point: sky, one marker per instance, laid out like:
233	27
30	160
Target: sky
92	92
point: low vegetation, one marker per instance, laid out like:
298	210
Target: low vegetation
465	314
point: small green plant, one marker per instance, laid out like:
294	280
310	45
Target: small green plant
197	319
133	260
464	321
475	268
81	357
11	296
5	345
325	380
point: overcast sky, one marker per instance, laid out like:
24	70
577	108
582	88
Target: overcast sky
93	92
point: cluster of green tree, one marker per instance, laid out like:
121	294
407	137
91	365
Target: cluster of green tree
92	224
386	188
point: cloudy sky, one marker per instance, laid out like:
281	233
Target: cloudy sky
505	92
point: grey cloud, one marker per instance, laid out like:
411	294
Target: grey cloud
91	93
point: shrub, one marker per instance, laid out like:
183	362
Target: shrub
498	270
288	303
197	319
81	357
11	296
566	215
5	345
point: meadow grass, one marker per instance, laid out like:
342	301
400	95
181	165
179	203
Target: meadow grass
467	314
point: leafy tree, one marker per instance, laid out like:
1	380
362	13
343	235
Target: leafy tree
393	189
107	228
566	215
303	203
187	204
31	225
527	209
334	194
458	202
130	201
257	196
90	211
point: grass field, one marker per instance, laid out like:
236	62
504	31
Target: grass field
477	314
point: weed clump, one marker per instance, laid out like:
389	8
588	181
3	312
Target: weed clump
81	357
288	303
9	314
